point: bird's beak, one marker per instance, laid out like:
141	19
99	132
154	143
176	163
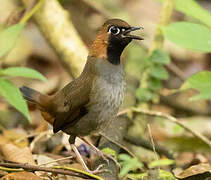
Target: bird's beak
128	35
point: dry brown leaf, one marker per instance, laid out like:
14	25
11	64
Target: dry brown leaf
194	170
15	134
21	176
4	140
16	154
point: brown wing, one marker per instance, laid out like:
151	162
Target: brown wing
69	103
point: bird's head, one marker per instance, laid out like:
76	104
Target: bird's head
111	40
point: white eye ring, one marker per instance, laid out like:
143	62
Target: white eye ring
114	30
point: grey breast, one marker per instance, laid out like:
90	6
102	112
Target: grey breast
107	93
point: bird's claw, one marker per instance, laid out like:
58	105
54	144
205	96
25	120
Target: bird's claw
106	158
98	170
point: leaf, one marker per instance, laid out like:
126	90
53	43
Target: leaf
158	71
160	57
193	9
13	96
23	72
125	169
8	38
16	154
143	94
128	164
195	170
189	35
21	175
140	176
201	82
161	162
155	84
124	157
109	151
166	175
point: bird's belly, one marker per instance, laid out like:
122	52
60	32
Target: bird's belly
105	100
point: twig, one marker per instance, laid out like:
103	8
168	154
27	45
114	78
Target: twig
79	171
118	144
75	172
172	119
60	159
42	134
30	11
138	141
152	141
165	17
27	136
11	169
176	70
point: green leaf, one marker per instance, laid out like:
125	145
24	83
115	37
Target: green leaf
128	164
189	35
140	176
124	157
159	56
158	71
161	162
155	84
124	170
8	38
177	128
201	82
193	9
143	94
23	72
12	94
166	175
109	151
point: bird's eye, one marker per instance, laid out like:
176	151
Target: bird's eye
114	30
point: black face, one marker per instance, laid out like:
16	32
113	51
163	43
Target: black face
119	38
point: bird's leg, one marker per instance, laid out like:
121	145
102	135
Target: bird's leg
100	153
80	159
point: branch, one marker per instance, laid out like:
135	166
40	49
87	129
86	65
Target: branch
57	28
76	173
172	119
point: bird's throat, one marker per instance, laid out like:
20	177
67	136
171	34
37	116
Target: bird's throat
114	54
115	48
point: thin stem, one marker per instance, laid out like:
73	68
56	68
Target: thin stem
79	171
27	16
170	118
165	17
174	120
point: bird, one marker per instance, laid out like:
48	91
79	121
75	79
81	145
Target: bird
90	102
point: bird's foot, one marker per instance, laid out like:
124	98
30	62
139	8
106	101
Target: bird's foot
98	170
106	157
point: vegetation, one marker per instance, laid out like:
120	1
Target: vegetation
166	114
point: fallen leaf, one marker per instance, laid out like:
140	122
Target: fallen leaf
21	176
13	135
16	154
194	170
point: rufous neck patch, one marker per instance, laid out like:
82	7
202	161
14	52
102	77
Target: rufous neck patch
99	46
